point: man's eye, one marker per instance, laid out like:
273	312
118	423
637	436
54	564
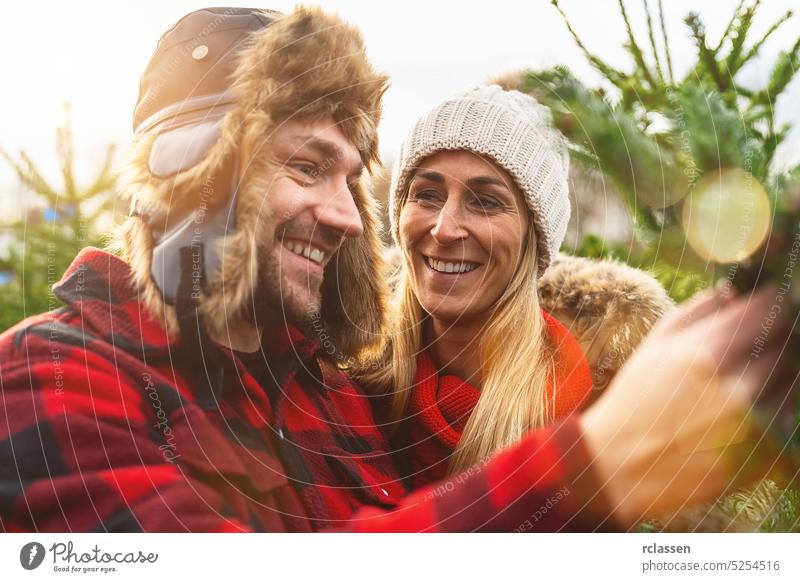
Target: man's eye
308	170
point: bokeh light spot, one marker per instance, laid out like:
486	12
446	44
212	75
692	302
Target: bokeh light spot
727	216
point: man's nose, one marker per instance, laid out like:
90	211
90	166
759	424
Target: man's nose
449	225
339	211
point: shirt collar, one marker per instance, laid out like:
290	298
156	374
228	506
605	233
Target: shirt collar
100	286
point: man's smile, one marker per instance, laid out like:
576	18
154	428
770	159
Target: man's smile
307	249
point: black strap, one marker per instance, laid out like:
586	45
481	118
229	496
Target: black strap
199	357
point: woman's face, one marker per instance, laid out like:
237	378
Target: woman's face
462	230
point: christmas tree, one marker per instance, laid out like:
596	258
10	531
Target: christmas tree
55	224
694	158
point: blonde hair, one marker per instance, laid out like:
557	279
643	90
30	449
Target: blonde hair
517	363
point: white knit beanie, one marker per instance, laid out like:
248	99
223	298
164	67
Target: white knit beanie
513	130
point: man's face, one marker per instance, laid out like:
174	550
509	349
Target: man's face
308	209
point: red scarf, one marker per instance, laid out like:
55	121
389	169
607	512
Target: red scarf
440	405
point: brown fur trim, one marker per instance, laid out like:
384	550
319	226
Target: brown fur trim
356	283
316	67
509	81
609	307
307	65
134	242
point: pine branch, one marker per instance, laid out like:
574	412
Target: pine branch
757	46
765	508
653	41
666	42
633	47
774	139
616	77
29	175
609	137
583	157
105	178
740	35
782	183
784	71
66	154
729	28
707	57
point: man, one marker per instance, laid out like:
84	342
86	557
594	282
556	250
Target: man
195	382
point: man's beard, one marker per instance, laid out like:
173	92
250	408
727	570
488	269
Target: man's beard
276	300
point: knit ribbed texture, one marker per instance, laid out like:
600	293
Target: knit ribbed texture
512	129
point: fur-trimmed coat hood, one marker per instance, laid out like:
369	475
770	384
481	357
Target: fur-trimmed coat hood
306	64
608	306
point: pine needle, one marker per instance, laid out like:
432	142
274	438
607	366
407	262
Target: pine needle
757	46
653	41
633	47
728	28
707	57
666	42
613	75
740	34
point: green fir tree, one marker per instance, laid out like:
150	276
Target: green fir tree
56	224
661	139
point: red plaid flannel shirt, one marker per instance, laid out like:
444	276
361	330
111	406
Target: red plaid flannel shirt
100	430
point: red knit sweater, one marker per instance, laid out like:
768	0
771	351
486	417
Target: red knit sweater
440	405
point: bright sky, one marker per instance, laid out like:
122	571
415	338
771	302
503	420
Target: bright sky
91	53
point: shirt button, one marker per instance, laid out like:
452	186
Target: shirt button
385	492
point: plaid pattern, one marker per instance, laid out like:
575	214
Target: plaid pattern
100	430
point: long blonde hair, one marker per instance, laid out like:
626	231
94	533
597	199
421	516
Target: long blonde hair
517	363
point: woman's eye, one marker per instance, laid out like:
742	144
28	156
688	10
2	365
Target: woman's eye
426	196
487	202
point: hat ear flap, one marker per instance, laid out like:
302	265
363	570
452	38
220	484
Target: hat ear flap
167	175
179	149
354	289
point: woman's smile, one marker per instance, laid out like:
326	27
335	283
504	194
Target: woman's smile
452	267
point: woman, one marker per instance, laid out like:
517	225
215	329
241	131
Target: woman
479	208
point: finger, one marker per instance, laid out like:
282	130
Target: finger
698	307
777	401
754	372
745	325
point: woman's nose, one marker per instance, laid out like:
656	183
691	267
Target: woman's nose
449	225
